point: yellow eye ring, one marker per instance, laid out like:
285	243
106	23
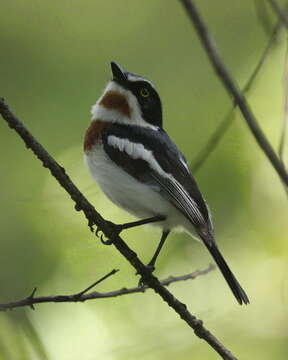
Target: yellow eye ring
144	92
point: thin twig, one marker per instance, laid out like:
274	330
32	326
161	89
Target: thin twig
212	142
284	129
232	88
220	131
83	296
282	15
262	58
108	228
81	293
263	15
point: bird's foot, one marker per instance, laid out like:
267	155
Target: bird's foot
99	233
115	231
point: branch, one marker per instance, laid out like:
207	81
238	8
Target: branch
110	231
283	19
31	300
278	11
232	88
263	15
83	292
284	129
220	131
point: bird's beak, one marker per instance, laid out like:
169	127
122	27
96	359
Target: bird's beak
119	74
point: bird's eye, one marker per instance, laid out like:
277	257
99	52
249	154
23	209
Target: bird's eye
144	92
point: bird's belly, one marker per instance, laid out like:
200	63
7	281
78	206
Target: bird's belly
137	198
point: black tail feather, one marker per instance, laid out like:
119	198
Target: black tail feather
234	285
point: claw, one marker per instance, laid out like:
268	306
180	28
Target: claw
97	232
100	235
105	242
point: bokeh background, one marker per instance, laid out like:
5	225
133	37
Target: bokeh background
54	64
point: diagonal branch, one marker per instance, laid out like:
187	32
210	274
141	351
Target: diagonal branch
83	296
284	129
263	15
220	131
109	230
233	89
278	11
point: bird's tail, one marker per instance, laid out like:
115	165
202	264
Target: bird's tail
234	285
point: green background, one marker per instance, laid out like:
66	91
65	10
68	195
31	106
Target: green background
54	63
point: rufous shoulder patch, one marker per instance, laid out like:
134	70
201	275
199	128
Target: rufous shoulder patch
113	100
94	132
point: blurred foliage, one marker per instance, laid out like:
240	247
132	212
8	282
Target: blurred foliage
54	64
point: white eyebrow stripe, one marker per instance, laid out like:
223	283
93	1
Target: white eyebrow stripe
133	77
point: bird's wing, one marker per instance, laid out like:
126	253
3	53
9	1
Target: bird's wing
152	158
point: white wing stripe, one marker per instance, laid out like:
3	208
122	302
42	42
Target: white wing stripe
138	151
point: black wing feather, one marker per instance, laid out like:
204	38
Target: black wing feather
181	189
167	155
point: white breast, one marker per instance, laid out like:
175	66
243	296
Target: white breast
137	198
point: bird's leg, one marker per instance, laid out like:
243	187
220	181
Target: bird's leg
164	236
121	227
151	264
141	222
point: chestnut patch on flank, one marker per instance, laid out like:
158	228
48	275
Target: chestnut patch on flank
93	133
113	100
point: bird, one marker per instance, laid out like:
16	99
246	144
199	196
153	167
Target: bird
141	170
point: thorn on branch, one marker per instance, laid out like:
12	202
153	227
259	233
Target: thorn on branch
62	169
31	297
199	328
185	307
77	207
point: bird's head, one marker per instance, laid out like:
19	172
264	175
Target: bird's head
128	99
